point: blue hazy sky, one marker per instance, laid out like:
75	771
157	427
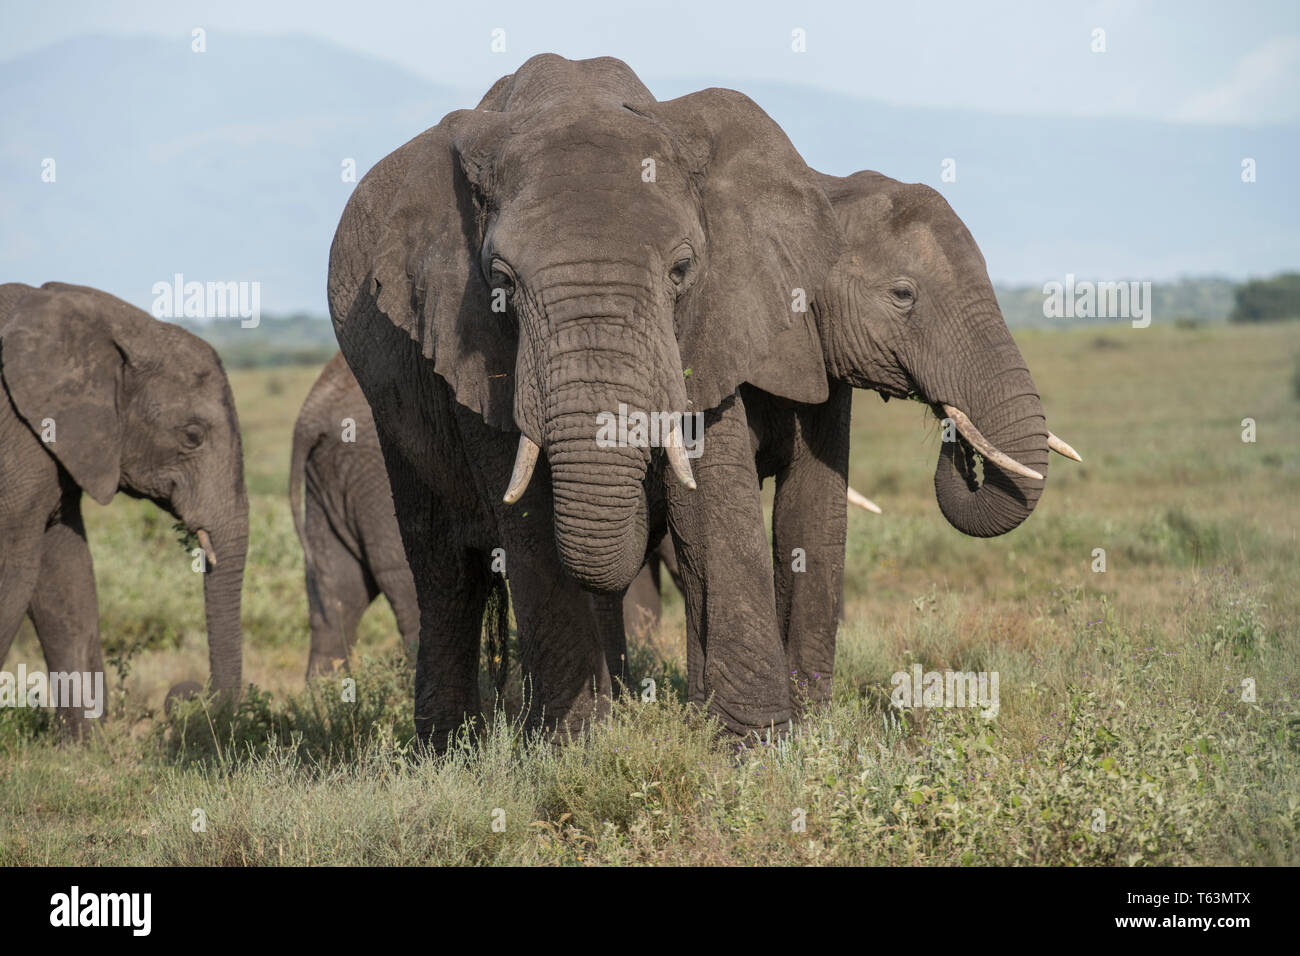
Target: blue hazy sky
1183	61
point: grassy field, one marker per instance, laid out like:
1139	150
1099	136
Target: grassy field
1122	736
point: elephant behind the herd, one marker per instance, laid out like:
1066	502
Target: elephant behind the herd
571	247
99	397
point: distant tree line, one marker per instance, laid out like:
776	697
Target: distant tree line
1267	300
277	340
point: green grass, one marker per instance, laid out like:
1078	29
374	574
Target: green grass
1122	736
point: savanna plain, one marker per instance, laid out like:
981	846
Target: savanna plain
1149	714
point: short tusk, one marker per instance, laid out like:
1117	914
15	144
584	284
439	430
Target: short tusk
677	457
862	501
985	447
525	462
206	544
1061	448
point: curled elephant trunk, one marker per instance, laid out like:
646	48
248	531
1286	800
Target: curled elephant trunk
222	587
993	461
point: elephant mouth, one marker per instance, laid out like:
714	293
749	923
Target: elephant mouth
980	459
528	452
975	443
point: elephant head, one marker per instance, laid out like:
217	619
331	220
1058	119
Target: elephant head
909	311
127	403
559	249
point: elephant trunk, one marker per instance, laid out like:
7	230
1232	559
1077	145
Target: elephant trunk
604	378
997	414
600	506
222	588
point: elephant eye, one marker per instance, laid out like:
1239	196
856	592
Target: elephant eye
679	270
503	277
192	436
903	294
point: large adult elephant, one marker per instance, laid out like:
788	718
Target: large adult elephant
572	247
99	397
603	235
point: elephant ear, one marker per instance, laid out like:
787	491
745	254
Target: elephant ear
427	205
61	363
771	236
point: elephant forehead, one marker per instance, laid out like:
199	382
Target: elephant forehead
595	147
921	245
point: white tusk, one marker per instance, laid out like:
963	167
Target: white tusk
1061	448
985	447
206	544
677	457
525	462
862	501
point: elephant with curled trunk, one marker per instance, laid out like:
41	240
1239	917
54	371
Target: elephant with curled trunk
573	247
908	310
99	397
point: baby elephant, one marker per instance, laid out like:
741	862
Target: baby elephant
99	397
350	540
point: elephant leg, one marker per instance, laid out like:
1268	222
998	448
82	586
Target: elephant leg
561	644
721	542
20	567
808	534
609	610
399	587
338	593
453	592
381	542
65	612
451	584
30	488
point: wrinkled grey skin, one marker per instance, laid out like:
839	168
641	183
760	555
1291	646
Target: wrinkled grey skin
139	406
351	543
616	286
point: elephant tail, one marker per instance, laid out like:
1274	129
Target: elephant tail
496	626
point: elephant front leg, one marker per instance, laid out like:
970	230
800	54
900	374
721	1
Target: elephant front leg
451	584
20	568
808	536
65	613
562	645
609	610
735	659
453	592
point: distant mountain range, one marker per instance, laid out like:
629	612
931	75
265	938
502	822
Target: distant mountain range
226	166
